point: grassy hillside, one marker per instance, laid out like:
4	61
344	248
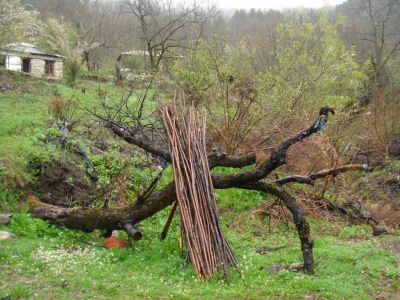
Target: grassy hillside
25	116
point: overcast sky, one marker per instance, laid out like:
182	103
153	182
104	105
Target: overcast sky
274	4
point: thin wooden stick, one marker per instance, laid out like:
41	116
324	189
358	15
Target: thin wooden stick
169	220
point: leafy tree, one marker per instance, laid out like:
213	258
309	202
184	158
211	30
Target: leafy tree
17	22
247	89
62	37
309	65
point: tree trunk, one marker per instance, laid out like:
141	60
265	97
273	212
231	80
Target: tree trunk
86	60
89	219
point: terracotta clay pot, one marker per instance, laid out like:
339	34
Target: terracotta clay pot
114	242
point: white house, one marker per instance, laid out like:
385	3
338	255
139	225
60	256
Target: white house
27	58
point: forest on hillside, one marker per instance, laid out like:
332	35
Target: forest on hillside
174	150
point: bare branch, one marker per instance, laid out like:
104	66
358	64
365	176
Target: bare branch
321	174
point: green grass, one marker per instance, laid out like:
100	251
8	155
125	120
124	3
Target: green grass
24	114
21	117
52	263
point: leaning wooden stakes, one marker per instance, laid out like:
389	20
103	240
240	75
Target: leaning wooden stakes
206	245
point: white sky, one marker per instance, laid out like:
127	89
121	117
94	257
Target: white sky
274	4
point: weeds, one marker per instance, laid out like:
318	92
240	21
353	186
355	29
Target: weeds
9	199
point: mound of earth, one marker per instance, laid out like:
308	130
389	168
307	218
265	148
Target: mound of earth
64	184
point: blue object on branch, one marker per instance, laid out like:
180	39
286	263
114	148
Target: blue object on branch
320	124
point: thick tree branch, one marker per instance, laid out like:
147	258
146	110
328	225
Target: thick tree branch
136	138
219	159
89	219
321	174
302	226
215	159
277	158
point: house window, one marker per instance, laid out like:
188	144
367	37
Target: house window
26	65
49	68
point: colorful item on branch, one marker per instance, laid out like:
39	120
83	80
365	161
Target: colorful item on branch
323	117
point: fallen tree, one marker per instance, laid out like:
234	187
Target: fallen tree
255	178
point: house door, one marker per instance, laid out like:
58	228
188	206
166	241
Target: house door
26	65
49	68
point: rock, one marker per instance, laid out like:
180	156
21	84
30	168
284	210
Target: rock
296	267
274	269
5	218
5	235
267	249
378	230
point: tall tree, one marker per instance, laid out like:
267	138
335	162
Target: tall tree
62	37
164	26
17	22
375	27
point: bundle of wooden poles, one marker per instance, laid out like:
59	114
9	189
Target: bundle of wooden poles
206	245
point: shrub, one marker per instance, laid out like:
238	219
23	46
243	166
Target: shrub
23	225
8	199
61	108
37	163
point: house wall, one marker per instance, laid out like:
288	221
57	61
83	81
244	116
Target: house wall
58	69
13	63
37	67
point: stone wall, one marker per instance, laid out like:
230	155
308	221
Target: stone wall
37	67
58	69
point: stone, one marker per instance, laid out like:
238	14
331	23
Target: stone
378	230
296	267
274	269
5	218
5	235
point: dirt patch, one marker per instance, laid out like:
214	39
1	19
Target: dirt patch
65	185
392	246
388	288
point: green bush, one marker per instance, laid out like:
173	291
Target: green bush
23	224
8	199
37	162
